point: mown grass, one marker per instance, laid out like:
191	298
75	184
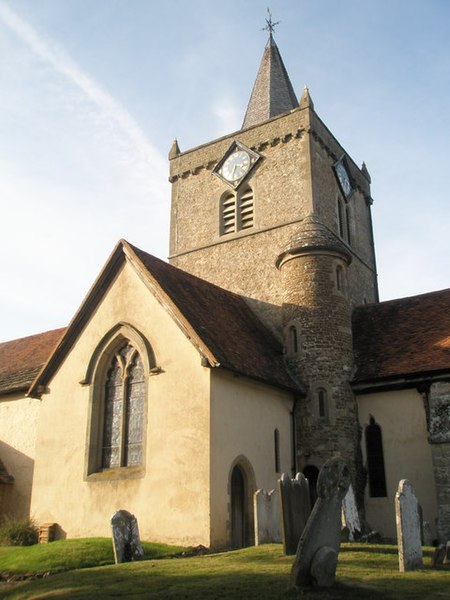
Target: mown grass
68	555
262	573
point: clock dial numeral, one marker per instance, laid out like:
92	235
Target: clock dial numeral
236	165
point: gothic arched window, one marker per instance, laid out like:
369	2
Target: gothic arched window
124	399
236	211
375	460
118	375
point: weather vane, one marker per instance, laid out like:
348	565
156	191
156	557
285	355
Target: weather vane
270	25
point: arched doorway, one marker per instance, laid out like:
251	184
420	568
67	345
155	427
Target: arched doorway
312	473
238	508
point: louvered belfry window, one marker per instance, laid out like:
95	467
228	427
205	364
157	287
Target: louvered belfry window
246	209
237	211
123	423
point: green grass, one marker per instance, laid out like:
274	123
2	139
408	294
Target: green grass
68	555
262	573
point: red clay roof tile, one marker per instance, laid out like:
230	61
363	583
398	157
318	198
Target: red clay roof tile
405	337
22	359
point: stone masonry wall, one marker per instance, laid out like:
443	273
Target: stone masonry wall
325	151
439	426
324	358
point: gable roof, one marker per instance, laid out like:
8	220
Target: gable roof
219	323
22	359
405	339
272	92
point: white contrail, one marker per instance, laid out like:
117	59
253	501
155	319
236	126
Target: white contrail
56	56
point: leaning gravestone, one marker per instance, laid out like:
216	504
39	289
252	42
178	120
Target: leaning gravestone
408	527
317	553
267	517
295	509
126	542
350	516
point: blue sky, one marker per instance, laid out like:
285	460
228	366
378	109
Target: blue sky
92	94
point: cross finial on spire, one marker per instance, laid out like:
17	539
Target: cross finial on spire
270	25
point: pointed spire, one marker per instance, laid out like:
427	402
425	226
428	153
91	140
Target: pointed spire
174	150
272	93
305	100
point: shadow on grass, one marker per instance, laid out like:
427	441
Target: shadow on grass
155	585
251	574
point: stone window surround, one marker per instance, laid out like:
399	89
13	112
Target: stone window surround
318	389
95	378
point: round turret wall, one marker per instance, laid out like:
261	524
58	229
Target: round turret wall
318	350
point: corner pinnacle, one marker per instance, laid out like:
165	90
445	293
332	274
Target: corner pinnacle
306	100
174	150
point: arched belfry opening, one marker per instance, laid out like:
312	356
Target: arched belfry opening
242	488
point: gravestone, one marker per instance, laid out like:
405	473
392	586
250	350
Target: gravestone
267	517
438	556
350	515
295	508
126	542
408	527
317	553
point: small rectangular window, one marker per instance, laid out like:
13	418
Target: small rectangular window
276	444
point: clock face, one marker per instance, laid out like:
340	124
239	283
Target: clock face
236	165
344	178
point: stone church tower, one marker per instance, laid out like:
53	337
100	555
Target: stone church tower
279	213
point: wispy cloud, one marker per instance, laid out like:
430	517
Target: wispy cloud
68	192
54	55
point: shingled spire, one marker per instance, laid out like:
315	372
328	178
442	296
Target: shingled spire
272	93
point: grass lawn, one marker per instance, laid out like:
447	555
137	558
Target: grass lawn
69	555
260	573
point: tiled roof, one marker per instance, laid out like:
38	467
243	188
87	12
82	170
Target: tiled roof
22	359
224	322
409	337
272	93
219	323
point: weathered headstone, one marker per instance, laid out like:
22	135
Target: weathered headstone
267	517
427	535
438	556
126	542
408	527
318	548
350	515
295	509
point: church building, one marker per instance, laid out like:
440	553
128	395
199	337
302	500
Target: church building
179	389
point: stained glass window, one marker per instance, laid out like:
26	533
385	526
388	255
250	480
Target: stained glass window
123	423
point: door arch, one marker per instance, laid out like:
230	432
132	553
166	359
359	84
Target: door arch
238	517
242	488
